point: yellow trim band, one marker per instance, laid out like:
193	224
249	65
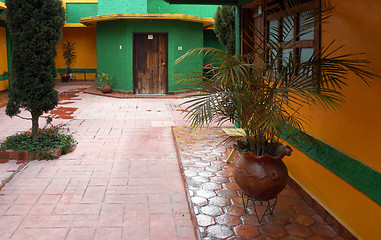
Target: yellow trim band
2	5
207	22
76	25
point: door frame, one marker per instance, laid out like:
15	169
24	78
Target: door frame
134	57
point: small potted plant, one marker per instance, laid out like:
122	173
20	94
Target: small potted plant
105	82
70	56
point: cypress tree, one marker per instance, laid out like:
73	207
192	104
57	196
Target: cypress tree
35	28
224	27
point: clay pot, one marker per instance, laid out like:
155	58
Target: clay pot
65	77
261	177
106	89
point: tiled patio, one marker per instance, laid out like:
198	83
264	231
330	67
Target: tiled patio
123	181
216	203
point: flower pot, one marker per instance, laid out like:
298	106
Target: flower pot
261	177
106	89
65	77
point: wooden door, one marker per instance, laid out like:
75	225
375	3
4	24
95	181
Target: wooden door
150	63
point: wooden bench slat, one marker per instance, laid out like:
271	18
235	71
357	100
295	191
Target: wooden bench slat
233	132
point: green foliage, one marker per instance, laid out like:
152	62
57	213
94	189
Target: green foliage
224	27
35	28
266	89
105	79
51	138
69	54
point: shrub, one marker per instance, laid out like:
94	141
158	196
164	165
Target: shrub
224	27
49	139
35	28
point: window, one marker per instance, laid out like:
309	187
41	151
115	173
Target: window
292	34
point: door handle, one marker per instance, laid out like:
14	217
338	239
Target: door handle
163	63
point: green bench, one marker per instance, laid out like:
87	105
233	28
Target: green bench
79	70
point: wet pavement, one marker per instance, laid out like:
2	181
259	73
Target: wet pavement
216	202
123	181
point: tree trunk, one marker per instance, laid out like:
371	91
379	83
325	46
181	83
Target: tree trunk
35	118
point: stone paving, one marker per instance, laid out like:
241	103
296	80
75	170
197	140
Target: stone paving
121	182
216	202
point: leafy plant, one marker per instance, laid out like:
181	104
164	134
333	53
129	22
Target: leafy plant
266	89
50	138
105	79
69	54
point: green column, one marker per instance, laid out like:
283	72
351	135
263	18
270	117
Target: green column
237	30
237	124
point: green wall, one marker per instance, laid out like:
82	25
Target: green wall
121	6
113	34
211	40
153	6
76	11
159	6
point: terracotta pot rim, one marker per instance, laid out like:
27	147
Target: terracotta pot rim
266	157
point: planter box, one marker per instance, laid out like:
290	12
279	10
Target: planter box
13	155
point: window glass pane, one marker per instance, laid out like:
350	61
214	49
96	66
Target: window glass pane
306	54
273	25
288	28
306	25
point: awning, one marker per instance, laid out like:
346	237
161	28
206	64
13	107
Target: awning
207	22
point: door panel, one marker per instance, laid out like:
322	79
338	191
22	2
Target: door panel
150	63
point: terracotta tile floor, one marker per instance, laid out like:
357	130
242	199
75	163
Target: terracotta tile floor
121	182
216	203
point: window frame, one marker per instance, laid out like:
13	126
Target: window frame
296	44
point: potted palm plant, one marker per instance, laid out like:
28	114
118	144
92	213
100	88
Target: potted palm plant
105	82
264	91
70	56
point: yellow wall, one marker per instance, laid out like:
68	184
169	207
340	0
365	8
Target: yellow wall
4	85
355	129
85	47
3	58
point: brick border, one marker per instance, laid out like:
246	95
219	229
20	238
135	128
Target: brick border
189	201
14	155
